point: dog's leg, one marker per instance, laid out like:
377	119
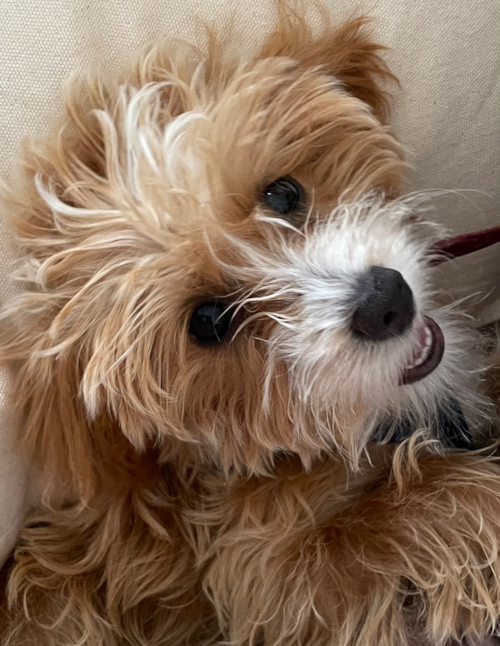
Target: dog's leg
300	561
118	574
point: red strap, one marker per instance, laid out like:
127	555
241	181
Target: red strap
464	244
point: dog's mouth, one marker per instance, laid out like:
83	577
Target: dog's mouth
429	351
427	354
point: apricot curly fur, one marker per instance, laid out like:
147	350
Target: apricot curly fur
232	494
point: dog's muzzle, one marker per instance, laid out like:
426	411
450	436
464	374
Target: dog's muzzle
385	309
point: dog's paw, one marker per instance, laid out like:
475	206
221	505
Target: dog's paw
418	554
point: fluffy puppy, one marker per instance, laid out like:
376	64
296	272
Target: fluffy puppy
227	300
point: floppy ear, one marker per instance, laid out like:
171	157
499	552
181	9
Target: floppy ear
61	211
347	52
74	454
38	335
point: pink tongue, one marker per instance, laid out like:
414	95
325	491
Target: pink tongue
464	244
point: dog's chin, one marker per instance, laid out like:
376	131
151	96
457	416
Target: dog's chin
427	354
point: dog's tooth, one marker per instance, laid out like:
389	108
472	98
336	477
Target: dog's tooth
424	349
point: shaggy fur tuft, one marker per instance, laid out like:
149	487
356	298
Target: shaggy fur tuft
232	493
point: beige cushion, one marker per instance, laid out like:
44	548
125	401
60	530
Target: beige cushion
445	53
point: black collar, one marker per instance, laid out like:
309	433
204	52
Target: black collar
451	428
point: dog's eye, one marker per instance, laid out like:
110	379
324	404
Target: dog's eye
209	323
284	196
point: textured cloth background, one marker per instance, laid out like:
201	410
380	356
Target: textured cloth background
445	53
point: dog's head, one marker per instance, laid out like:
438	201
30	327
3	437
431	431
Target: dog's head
220	264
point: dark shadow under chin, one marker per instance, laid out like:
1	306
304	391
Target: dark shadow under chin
450	428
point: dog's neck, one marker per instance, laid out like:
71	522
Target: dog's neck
450	428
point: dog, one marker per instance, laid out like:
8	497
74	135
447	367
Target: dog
230	312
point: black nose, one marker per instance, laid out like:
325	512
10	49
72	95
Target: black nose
385	305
